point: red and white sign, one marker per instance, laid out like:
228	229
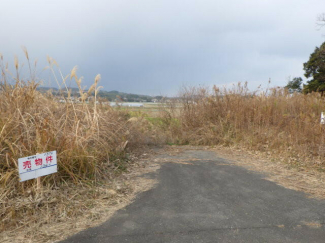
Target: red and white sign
37	165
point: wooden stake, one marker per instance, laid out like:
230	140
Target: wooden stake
38	183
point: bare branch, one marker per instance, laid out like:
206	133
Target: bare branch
321	20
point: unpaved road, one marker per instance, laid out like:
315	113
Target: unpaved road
201	197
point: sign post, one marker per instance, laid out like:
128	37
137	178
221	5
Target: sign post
36	166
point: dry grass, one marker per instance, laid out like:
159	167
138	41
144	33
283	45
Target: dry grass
91	141
274	121
79	208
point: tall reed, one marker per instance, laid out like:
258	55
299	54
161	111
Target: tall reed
90	139
272	120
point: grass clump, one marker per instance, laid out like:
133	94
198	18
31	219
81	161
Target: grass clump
272	121
92	141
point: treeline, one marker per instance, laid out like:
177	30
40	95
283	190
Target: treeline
109	95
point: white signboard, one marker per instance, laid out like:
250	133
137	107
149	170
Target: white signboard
37	165
322	118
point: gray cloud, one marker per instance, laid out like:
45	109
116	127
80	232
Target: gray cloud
153	47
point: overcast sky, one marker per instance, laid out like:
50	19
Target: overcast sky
156	46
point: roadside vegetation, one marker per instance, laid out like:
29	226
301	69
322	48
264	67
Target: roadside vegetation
94	144
273	121
283	122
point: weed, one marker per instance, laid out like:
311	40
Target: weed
90	139
271	120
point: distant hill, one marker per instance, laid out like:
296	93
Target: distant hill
46	89
110	95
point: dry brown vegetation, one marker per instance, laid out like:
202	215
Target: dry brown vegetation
92	141
274	121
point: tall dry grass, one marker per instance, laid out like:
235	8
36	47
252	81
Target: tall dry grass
91	140
273	121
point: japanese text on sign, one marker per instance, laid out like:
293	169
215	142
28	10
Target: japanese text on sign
37	165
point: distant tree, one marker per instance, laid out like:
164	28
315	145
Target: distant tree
294	85
315	69
159	97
